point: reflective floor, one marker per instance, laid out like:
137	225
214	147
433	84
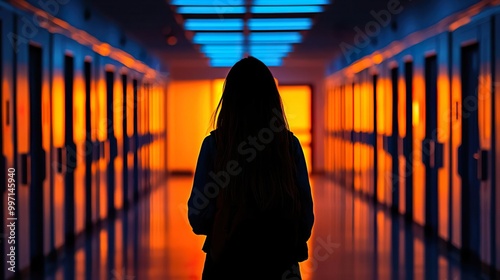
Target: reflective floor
352	239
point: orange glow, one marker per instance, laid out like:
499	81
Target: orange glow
23	111
58	110
189	112
461	22
416	113
79	109
297	104
118	107
378	58
102	123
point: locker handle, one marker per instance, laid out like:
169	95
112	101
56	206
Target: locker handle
482	165
460	161
60	159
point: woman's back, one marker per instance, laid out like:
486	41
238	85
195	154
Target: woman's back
251	194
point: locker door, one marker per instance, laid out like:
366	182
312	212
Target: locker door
37	155
135	138
374	137
89	154
70	150
408	140
124	81
430	144
496	116
110	76
31	111
472	140
394	139
468	151
3	158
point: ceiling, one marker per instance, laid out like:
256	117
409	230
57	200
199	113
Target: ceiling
153	22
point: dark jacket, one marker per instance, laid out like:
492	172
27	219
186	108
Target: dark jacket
202	202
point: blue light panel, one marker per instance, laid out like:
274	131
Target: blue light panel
286	9
290	2
213	24
232	55
276	37
270	48
217	3
204	38
264	24
223	62
222	49
215	10
271	62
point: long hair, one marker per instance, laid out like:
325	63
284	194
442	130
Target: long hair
251	129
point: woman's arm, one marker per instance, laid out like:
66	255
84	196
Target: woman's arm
200	207
304	191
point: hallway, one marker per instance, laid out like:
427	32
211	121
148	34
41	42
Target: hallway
352	239
104	105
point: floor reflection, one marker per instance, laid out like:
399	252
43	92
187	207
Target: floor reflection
352	239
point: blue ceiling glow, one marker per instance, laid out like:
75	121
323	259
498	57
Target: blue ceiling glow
218	38
218	3
290	2
214	24
286	9
275	37
195	10
271	48
270	24
221	48
227	39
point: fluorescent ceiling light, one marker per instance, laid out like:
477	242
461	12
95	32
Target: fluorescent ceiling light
221	48
204	38
290	2
213	24
276	37
223	62
265	24
286	9
272	62
271	48
217	3
216	10
232	55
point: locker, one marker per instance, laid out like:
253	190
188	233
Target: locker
472	139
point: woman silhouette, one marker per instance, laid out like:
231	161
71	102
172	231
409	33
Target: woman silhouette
251	195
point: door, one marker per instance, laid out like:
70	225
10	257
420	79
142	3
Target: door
430	147
472	140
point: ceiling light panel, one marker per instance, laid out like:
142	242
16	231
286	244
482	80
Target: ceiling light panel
214	24
271	24
209	10
286	9
290	2
275	37
219	3
218	38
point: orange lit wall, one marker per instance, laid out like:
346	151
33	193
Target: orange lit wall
191	105
297	103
